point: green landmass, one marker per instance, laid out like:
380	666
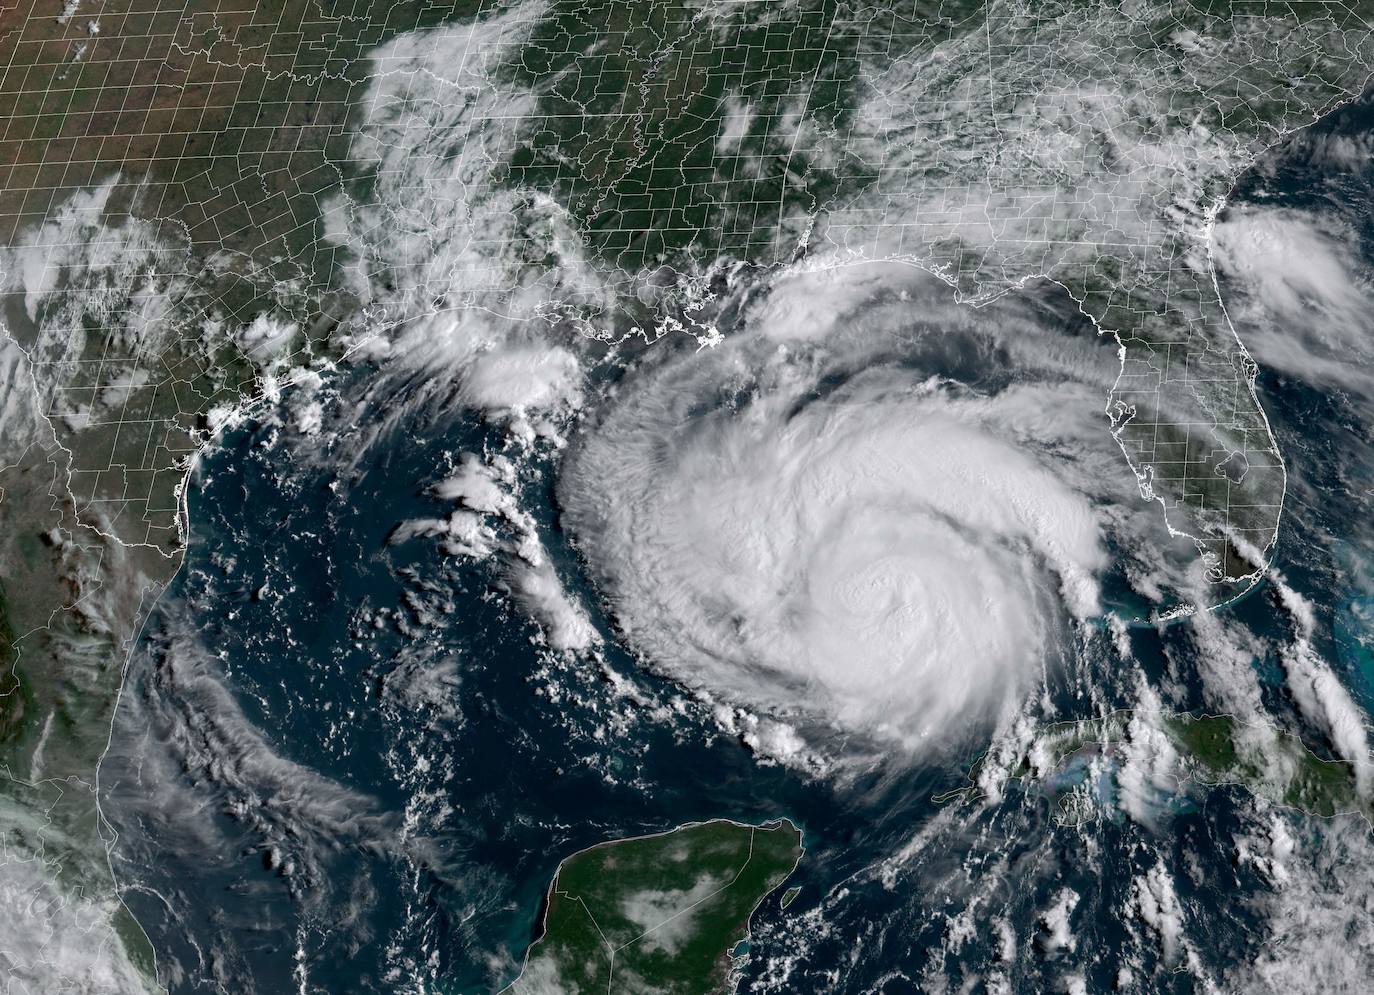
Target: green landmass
657	915
1212	750
788	897
1284	770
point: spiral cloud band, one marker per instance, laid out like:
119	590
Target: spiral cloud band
883	556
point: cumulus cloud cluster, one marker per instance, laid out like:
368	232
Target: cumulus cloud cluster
488	520
1318	915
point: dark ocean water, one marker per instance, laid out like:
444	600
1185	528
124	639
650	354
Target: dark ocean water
515	752
349	765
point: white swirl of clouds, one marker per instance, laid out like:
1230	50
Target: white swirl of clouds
848	542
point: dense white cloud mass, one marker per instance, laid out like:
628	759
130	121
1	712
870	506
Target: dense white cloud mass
1156	901
467	277
56	942
1305	299
1056	923
887	554
520	378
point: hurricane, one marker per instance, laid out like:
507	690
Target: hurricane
818	525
